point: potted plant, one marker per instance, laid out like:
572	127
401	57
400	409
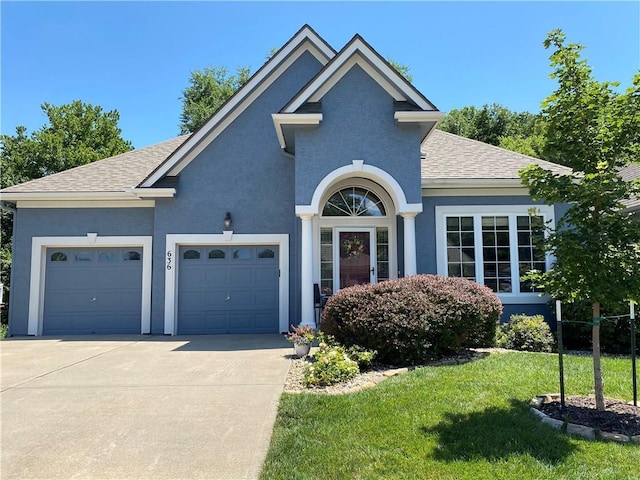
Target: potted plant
301	338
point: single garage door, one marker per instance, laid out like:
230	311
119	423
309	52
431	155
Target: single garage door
228	289
93	290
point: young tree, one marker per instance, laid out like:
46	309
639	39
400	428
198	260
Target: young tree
208	90
596	131
77	133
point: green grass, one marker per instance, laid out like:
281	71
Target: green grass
469	421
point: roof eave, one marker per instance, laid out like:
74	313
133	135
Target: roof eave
281	119
472	183
127	194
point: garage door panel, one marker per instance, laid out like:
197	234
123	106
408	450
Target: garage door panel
195	279
92	296
204	322
263	320
215	299
235	294
241	276
195	299
215	276
264	298
267	276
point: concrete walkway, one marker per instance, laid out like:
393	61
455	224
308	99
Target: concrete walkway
139	407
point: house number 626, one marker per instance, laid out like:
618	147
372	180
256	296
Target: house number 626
169	259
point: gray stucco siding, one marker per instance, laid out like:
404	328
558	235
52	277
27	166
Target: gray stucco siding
358	124
244	172
63	222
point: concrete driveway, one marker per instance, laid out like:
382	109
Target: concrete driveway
139	407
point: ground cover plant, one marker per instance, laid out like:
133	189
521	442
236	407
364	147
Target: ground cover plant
468	421
414	319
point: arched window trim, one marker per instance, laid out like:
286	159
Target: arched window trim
352	210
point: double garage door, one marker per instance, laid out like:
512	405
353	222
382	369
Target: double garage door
221	289
228	289
93	291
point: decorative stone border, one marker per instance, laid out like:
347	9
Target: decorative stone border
572	428
380	376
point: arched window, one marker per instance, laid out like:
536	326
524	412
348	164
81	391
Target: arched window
354	202
191	255
58	257
216	253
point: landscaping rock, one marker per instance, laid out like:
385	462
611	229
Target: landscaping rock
557	424
586	432
615	437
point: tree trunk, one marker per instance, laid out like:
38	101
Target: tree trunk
597	372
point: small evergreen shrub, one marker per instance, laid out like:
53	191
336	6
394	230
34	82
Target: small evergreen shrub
4	329
414	319
333	363
525	332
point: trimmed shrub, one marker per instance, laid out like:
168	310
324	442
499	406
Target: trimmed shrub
615	334
415	319
525	332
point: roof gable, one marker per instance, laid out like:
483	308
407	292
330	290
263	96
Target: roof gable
359	52
305	40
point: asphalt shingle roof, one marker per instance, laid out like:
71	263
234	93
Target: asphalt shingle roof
445	156
449	156
113	174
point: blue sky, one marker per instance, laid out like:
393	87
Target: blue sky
136	56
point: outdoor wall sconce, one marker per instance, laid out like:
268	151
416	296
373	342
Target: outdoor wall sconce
227	221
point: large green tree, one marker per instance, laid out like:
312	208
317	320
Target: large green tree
208	90
595	130
76	134
496	125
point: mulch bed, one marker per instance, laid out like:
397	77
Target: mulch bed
619	417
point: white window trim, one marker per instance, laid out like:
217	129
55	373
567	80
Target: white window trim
39	246
343	223
171	265
477	211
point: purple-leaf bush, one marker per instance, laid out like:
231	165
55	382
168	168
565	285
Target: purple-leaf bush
414	319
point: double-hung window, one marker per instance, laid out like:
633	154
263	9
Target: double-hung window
494	246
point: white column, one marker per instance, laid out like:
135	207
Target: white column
410	264
307	315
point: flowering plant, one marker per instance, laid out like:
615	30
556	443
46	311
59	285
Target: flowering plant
302	335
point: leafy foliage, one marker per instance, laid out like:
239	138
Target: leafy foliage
413	319
492	124
208	90
334	363
403	70
76	134
302	335
615	333
596	131
529	333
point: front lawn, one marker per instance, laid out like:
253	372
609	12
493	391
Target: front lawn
469	421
